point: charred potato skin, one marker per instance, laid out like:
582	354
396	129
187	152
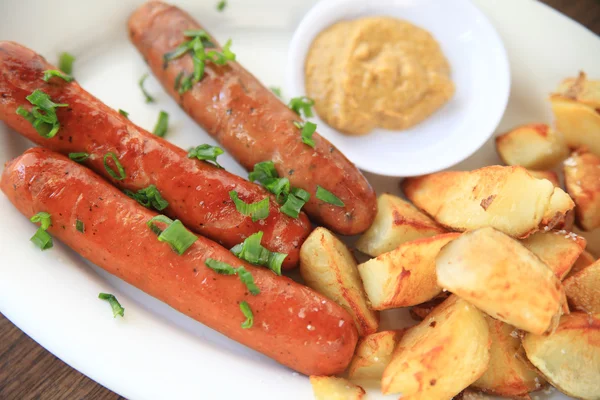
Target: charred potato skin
373	353
569	358
327	266
583	289
582	180
397	222
558	249
334	388
424	362
502	278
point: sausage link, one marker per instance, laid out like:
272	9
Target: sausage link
197	192
252	123
292	324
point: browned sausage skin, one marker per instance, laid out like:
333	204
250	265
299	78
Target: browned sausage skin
197	192
292	324
252	123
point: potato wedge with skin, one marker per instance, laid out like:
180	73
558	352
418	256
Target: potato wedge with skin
491	196
559	213
570	357
533	146
442	355
501	277
558	249
405	276
549	175
585	259
509	372
327	266
582	180
575	106
397	221
583	289
334	388
373	353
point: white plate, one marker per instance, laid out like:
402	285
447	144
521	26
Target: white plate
479	70
155	352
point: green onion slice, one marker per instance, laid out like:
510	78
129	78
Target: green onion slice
252	251
308	129
263	171
121	175
162	125
43	114
206	152
79	157
80	226
247	311
65	62
43	218
248	280
149	197
276	90
124	113
221	5
176	234
114	304
302	105
295	201
149	99
42	239
225	269
257	210
50	73
328	197
220	267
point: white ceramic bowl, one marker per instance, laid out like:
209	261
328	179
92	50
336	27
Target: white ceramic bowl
480	71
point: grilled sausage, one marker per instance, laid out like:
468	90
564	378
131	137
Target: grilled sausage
292	324
197	192
252	123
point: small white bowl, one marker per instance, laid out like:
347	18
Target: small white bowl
480	71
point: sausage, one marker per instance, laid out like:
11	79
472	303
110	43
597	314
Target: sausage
252	123
292	324
197	192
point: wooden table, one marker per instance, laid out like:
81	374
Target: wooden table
27	371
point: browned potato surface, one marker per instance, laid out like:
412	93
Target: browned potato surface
334	388
373	353
558	249
501	277
582	180
397	221
583	289
549	175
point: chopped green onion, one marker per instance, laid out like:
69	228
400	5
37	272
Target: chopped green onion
149	197
49	73
221	58
206	152
121	175
252	251
149	99
199	33
43	218
276	90
43	114
114	304
186	84
302	105
79	225
225	269
178	80
79	157
248	280
160	129
159	218
308	129
221	5
328	197
65	62
124	113
178	52
176	235
247	311
220	267
257	210
295	201
42	239
263	171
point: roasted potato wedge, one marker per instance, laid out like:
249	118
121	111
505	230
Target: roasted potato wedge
558	249
570	357
501	277
583	261
575	106
549	175
327	266
582	180
397	221
373	353
442	355
533	146
583	289
509	373
404	276
334	388
491	196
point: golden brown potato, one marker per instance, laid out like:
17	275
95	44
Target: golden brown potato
442	355
327	266
549	175
575	106
506	198
501	277
582	180
509	373
397	222
373	353
583	261
570	357
405	276
334	388
583	289
533	146
558	249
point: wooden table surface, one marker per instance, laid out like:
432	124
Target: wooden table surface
27	371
